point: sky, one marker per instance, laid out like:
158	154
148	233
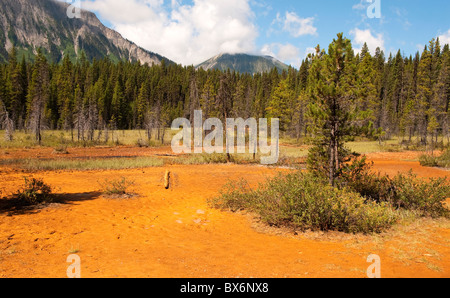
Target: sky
192	31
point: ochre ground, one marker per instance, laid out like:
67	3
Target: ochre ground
173	233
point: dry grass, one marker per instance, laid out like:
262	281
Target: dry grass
33	165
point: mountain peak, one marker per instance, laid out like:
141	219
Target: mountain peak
29	25
243	63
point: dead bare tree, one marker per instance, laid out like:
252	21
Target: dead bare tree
91	118
149	123
6	122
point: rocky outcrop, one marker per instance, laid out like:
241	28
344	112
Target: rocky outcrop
29	24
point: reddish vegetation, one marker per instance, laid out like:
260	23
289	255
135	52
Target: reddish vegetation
173	233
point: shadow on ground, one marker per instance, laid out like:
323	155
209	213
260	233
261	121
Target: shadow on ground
13	206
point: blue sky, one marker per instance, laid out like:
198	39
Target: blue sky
404	24
190	32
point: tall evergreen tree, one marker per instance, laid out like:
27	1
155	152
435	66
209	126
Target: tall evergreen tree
332	108
38	94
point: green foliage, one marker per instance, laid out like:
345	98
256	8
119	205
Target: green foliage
424	196
404	191
334	96
333	111
304	201
116	186
85	165
363	202
34	192
442	161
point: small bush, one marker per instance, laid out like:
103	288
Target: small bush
442	161
142	143
305	202
61	149
428	160
34	192
116	186
359	177
404	191
392	148
425	196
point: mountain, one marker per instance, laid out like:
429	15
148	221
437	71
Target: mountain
243	63
29	24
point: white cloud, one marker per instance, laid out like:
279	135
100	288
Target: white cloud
360	6
365	36
287	53
295	25
445	38
187	34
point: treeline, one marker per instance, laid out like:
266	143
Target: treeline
402	96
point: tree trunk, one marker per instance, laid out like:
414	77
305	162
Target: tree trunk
38	129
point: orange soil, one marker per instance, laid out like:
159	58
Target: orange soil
173	233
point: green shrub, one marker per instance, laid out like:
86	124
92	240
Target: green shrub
442	161
358	177
424	196
61	149
404	191
303	201
116	186
34	192
428	160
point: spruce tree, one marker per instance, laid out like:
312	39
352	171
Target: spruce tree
38	94
332	109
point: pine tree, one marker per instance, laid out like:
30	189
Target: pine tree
16	85
441	97
142	104
79	112
116	104
65	94
38	94
223	101
206	100
6	122
332	108
424	92
408	117
281	104
366	89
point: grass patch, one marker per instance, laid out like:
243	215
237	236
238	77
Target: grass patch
73	250
291	158
57	138
203	158
84	165
116	187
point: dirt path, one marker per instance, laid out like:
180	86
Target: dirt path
173	233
